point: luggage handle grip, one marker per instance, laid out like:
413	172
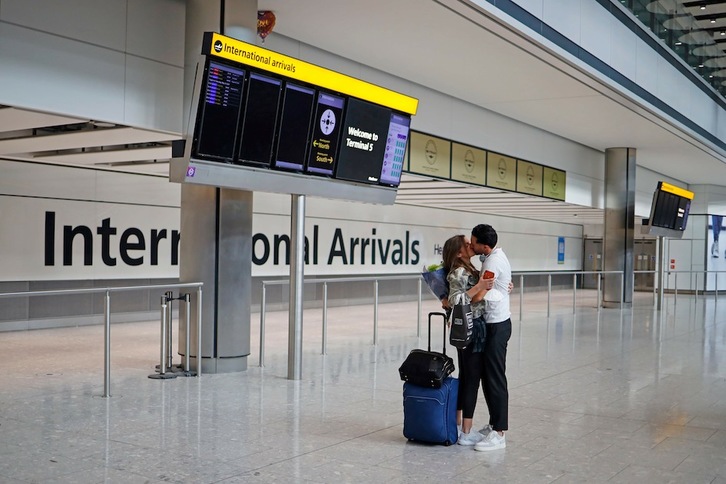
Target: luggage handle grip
443	315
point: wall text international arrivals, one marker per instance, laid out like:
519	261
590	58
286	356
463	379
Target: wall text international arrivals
135	247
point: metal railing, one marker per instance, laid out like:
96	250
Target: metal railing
418	278
694	274
325	282
107	317
574	275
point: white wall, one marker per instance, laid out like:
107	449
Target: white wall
119	61
590	26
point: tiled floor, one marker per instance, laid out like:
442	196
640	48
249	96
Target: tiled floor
609	396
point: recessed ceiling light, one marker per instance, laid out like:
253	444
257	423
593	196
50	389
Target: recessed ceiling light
713	20
679	43
703	7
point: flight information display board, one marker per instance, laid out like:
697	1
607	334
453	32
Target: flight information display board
220	106
395	152
327	125
671	206
365	132
297	109
263	109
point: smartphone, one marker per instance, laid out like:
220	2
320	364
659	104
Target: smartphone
488	275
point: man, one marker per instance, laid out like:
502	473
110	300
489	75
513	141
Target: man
498	331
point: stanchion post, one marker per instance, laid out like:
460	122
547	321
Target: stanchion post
622	289
574	293
418	320
599	290
169	343
324	348
187	328
199	331
675	288
375	312
521	295
107	345
162	366
263	304
549	293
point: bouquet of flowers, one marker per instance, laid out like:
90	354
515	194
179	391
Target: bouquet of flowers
435	278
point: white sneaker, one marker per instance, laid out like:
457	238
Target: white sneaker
714	249
485	431
469	439
494	441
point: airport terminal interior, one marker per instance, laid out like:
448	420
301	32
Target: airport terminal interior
590	133
595	396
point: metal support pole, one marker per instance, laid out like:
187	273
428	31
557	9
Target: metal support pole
164	313
418	314
521	295
163	375
188	327
107	345
262	324
549	293
574	293
297	266
622	290
599	290
418	320
375	312
199	331
324	349
169	343
661	272
675	289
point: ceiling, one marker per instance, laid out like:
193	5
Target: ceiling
693	29
532	85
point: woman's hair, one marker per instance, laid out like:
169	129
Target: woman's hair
452	247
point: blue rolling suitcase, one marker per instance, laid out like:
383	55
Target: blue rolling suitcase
429	414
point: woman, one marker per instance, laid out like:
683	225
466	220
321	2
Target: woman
466	287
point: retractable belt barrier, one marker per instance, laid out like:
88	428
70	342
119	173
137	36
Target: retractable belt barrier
166	370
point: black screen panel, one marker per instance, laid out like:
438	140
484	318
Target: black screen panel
260	120
216	124
363	142
395	151
327	125
292	141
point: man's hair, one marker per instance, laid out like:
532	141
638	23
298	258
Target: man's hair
485	234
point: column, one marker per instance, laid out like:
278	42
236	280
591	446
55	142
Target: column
216	223
618	242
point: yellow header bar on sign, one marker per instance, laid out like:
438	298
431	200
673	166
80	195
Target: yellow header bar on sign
667	187
251	55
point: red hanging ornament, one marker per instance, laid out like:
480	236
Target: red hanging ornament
265	23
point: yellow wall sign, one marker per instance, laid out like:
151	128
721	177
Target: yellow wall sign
501	171
529	178
429	155
468	164
251	55
555	183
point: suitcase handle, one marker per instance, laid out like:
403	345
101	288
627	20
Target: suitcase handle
443	315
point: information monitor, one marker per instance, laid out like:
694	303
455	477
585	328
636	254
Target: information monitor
294	132
327	125
395	152
260	120
218	113
363	142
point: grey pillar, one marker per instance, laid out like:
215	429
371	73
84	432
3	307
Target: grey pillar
618	242
216	223
297	266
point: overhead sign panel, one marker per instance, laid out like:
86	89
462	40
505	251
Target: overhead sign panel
252	55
